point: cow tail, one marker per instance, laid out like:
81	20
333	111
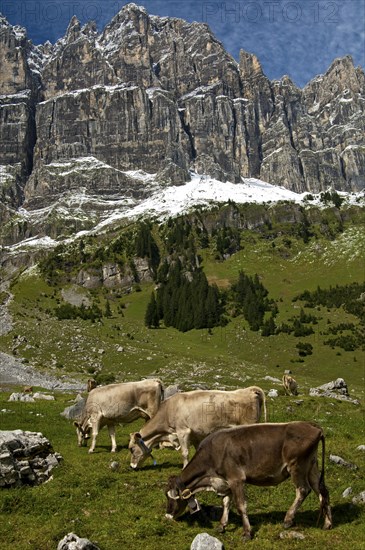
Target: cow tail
162	391
261	395
323	491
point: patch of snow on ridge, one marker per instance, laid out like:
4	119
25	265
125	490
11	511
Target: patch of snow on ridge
203	191
158	201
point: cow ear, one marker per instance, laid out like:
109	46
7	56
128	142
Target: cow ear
137	436
76	424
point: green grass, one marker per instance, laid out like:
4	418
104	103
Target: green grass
126	508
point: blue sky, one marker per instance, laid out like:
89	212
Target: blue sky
299	38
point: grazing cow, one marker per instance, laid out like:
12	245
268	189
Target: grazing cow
117	404
186	418
261	454
91	384
290	385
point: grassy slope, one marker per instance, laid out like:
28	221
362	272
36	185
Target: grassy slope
126	508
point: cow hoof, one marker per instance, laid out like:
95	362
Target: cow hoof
221	528
246	537
91	451
287	524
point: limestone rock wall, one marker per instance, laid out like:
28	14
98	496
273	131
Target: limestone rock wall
162	95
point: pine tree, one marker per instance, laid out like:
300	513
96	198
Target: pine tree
108	310
151	317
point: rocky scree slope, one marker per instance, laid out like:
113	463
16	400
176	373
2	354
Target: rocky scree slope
162	95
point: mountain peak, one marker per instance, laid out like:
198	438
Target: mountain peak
162	95
73	29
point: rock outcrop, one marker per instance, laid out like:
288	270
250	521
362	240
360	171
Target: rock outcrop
336	389
162	95
26	458
73	542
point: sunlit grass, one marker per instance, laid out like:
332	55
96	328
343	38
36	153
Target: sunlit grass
126	508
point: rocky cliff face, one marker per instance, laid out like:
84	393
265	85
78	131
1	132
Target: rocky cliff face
162	95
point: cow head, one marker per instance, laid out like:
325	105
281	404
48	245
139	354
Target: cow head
139	450
178	498
82	432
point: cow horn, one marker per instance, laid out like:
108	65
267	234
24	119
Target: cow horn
186	494
143	445
171	495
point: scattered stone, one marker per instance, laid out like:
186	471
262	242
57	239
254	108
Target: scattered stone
360	448
73	542
287	371
347	492
26	458
120	349
44	396
273	393
359	499
114	466
272	379
74	411
203	541
341	462
291	535
337	389
25	397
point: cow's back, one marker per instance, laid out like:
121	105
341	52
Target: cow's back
275	445
110	400
118	400
149	395
251	402
205	411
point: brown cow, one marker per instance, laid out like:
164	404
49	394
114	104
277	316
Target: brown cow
117	404
290	385
186	418
261	454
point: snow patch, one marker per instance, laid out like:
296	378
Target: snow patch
158	201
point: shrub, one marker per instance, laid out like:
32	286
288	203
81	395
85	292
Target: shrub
304	349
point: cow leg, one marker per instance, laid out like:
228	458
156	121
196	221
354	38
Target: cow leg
224	519
111	430
321	491
94	434
241	505
299	478
184	440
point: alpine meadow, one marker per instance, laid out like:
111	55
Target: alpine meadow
305	314
173	221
